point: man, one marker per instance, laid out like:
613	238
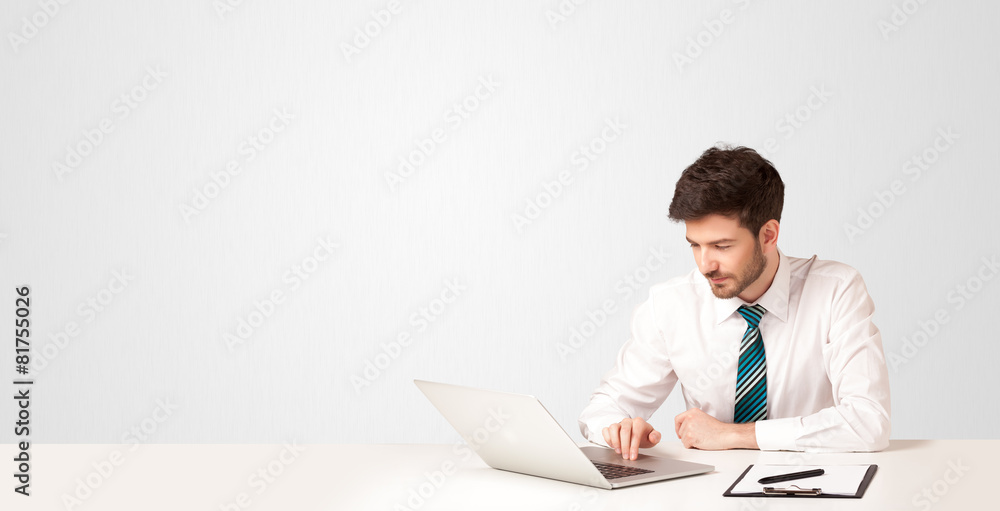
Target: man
772	352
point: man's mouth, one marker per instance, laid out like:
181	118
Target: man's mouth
716	280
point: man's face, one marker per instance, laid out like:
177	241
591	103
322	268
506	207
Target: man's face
728	255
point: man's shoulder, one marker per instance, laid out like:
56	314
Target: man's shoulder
814	268
682	287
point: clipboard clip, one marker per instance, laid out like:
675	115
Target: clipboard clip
792	490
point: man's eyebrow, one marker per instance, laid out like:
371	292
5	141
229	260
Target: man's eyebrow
716	242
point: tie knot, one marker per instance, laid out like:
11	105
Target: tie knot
752	313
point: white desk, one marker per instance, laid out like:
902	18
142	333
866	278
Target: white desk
349	477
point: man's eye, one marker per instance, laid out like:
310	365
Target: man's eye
722	247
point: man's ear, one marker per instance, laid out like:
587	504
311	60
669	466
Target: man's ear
768	235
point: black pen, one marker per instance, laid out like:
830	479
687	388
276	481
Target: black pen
790	477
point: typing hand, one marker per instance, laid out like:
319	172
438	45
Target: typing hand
629	435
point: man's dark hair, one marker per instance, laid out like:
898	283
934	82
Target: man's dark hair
733	182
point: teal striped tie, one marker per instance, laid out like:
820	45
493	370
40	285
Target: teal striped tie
751	376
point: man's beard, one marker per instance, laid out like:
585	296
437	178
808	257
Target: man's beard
737	284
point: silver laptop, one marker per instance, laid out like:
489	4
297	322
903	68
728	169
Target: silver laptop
514	432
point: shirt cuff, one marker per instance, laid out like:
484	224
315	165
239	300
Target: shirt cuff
778	434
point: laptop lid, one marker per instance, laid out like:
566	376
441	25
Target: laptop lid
512	432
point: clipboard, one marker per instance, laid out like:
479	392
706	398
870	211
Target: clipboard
803	489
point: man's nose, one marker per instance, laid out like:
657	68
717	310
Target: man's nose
706	263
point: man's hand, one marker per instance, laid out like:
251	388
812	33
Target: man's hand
699	430
629	435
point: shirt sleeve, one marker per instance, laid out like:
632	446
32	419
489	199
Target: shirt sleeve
640	381
855	364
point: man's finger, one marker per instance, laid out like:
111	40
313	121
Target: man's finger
678	421
654	437
613	435
680	434
625	435
638	436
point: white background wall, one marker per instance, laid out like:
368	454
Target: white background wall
218	77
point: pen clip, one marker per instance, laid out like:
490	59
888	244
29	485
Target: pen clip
791	490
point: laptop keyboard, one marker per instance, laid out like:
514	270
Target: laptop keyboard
610	471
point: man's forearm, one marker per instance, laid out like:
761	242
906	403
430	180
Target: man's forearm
696	429
743	436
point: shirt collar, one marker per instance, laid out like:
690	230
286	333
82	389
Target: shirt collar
775	299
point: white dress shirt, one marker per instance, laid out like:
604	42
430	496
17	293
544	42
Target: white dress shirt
827	381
